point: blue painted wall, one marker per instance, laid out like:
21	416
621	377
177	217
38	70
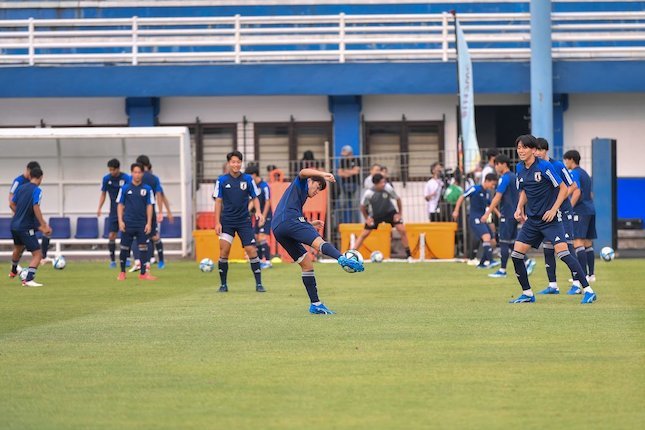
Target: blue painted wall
631	203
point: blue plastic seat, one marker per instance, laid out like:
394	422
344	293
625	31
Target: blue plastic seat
87	228
5	228
171	230
61	227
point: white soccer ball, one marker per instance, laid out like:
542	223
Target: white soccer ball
376	257
352	255
59	263
23	274
607	253
206	265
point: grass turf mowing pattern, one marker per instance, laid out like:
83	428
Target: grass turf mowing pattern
412	346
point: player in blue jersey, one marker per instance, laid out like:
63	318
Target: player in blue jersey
584	217
262	232
110	186
134	211
292	230
23	179
541	195
27	218
566	214
506	197
479	199
232	194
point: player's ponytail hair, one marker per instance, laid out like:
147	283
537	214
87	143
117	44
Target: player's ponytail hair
322	184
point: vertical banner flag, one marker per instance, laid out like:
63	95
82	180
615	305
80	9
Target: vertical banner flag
466	101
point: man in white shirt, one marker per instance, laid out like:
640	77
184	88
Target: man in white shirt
433	192
374	169
490	165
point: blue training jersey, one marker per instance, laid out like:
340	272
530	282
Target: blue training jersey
235	193
154	183
507	187
566	178
584	205
26	197
540	182
478	200
291	203
264	195
20	180
112	185
135	199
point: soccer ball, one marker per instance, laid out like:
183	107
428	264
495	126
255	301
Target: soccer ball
206	265
352	255
59	263
376	257
607	253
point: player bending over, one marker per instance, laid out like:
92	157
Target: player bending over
541	194
479	199
378	200
134	211
111	185
292	230
232	193
27	218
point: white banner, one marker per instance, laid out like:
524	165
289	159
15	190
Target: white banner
466	98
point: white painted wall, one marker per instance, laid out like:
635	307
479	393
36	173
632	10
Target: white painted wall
617	116
62	111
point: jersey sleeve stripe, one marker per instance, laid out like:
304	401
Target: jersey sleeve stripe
567	176
553	180
216	191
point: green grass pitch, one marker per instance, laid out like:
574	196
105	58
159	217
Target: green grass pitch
412	346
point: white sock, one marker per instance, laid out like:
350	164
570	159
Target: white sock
502	270
316	303
528	292
576	283
553	285
588	290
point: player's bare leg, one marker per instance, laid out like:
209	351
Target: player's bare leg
400	227
361	239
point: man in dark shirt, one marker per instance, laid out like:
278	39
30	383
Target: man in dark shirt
349	173
110	186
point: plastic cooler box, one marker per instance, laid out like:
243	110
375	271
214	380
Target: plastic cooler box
379	240
207	246
439	239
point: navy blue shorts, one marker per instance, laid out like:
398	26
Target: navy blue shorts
507	229
535	231
128	236
479	228
244	230
113	223
292	233
265	229
567	223
155	226
26	238
584	227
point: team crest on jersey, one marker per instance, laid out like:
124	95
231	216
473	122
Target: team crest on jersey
243	185
538	176
386	196
121	182
302	219
143	192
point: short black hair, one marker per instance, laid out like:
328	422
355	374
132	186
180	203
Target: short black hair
572	154
36	172
377	178
144	161
492	153
435	164
271	167
542	144
33	164
491	177
114	163
321	182
503	159
133	165
232	154
528	140
252	169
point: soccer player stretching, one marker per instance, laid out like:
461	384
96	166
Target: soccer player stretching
135	219
541	194
292	230
25	204
232	193
112	183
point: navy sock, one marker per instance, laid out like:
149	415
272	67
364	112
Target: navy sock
14	266
574	266
263	250
255	268
159	246
407	252
309	279
112	249
549	261
123	257
260	250
145	250
582	259
135	250
330	250
223	269
31	274
44	246
505	251
520	270
150	249
591	260
488	253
